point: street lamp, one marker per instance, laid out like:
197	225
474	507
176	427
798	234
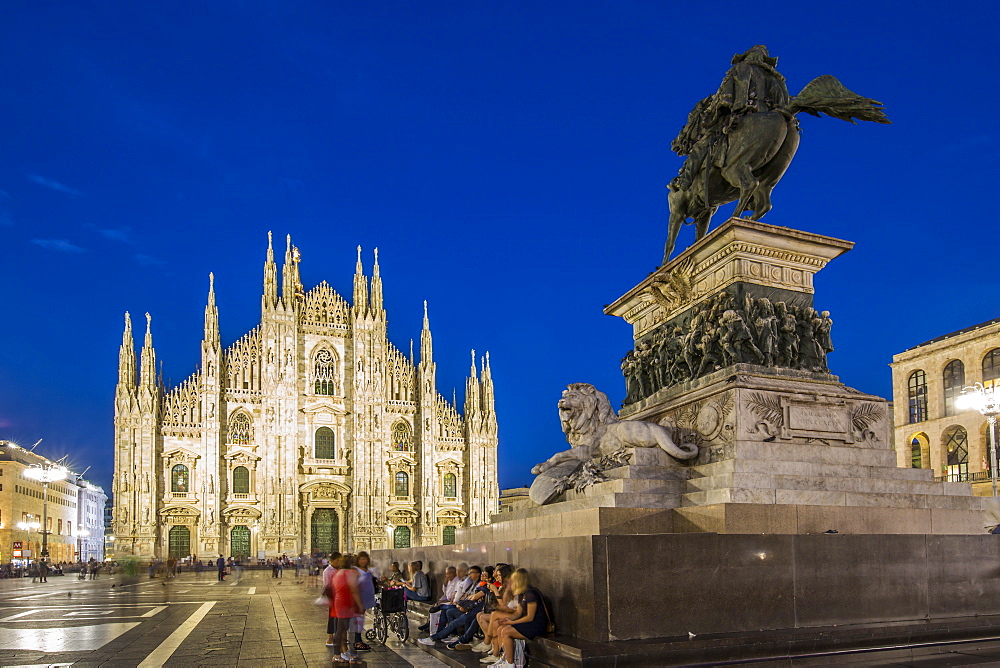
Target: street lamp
986	401
45	473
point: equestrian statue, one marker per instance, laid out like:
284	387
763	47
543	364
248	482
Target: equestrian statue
739	141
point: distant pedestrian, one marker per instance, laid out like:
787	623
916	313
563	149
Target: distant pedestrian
43	572
220	563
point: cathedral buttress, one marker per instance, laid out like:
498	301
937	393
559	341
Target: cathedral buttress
207	479
147	449
126	424
427	428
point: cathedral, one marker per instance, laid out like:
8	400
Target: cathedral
312	433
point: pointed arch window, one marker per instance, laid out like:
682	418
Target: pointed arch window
956	445
450	485
241	480
241	430
991	367
954	381
325	373
402	484
917	393
402	437
179	479
325	444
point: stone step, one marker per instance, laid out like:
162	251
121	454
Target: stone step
650	472
810	468
818	453
805	497
634	500
831	483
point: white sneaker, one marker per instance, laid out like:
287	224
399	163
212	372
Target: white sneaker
482	647
426	641
504	664
489	658
451	638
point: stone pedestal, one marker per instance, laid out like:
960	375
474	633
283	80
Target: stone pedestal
784	446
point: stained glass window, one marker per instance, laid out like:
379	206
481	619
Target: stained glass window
401	537
179	479
450	485
241	430
401	437
325	373
448	535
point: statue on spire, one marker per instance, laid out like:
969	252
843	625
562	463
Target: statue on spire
739	141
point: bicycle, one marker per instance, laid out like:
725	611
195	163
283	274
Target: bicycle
389	614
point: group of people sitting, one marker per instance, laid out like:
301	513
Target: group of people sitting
496	600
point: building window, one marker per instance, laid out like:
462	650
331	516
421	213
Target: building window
240	430
954	381
324	444
401	537
241	480
179	479
917	391
915	460
402	484
325	373
991	367
448	535
59	531
956	444
450	485
402	437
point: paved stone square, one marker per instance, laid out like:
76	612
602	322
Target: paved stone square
191	620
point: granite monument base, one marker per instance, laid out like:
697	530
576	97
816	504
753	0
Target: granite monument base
615	588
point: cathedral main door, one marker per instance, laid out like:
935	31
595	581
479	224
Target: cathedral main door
179	542
239	542
325	531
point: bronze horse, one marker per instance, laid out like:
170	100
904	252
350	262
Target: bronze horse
757	150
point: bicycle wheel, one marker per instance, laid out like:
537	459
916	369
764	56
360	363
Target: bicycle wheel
401	626
380	626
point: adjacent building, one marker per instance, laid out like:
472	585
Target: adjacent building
926	379
311	433
72	515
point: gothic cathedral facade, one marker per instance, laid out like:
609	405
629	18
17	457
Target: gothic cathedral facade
310	434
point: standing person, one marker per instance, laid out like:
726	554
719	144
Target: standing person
418	588
346	606
197	568
328	572
366	588
220	563
43	571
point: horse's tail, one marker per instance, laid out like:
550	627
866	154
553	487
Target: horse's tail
826	95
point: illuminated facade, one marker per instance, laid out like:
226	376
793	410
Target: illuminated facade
309	434
926	379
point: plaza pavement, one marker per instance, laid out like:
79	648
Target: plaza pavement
251	620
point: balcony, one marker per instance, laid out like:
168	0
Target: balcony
974	476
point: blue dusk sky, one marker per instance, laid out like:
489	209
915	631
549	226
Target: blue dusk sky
508	160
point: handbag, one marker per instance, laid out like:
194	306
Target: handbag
550	626
325	599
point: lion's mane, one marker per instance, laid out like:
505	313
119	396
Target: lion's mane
585	412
